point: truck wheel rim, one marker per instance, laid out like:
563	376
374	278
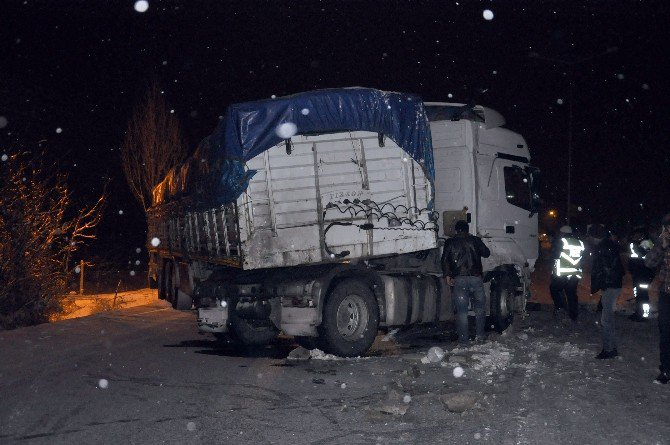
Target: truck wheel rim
352	317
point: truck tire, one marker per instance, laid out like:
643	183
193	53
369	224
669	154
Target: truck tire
350	319
252	332
167	282
502	303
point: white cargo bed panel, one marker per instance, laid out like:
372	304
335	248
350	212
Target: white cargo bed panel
296	201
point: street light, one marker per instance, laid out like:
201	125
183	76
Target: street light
571	65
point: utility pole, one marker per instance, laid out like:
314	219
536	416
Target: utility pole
571	75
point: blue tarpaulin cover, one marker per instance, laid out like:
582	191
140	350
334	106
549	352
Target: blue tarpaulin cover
216	173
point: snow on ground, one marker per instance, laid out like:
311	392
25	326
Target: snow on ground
84	305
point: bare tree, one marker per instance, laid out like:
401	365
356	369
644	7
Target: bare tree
153	144
37	239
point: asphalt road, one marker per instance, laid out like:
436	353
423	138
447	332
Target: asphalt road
145	375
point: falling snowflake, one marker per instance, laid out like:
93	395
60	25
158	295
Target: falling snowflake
103	384
59	130
407	398
274	96
141	5
645	86
488	14
559	101
450	96
4	157
190	426
3	122
137	262
138	250
343	386
132	273
304	111
286	130
155	242
620	76
458	372
77	269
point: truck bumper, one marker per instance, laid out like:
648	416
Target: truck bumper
213	319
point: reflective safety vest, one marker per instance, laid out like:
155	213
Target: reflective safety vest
571	255
643	247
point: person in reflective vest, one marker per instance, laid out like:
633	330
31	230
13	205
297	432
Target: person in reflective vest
567	253
639	246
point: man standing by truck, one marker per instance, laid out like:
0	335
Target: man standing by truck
462	268
566	252
640	245
660	255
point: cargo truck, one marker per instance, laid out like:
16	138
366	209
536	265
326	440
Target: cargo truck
322	215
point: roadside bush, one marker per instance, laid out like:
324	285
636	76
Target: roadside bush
37	240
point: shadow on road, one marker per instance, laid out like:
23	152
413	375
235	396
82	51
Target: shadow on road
278	349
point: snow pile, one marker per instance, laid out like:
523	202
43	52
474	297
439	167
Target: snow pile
434	355
494	357
569	351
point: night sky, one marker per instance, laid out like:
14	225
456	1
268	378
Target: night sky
72	72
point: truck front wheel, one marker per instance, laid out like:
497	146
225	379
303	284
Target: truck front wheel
350	319
252	332
502	303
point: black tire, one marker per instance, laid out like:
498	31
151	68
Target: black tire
502	303
252	332
167	282
308	342
180	300
358	313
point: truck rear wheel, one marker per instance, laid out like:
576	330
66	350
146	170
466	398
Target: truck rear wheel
350	319
502	303
167	289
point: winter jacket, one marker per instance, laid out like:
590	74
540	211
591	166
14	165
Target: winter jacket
660	256
607	269
462	256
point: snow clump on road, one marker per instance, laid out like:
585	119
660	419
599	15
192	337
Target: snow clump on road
571	351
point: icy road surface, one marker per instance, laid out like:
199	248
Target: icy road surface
144	375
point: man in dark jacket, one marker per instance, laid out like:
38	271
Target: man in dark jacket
462	268
606	275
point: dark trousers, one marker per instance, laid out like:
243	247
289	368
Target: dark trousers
567	286
664	329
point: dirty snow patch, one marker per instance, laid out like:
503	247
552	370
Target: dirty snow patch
569	351
493	357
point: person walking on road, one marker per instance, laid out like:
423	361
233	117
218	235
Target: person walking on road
640	244
660	255
607	275
566	252
462	267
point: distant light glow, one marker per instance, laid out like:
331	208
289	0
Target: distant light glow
488	14
141	5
